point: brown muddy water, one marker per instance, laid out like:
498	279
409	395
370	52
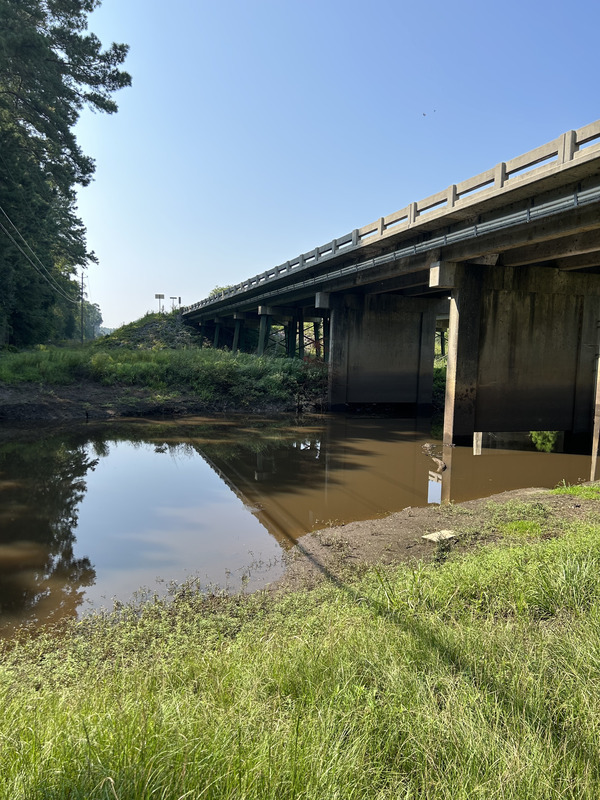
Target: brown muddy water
91	513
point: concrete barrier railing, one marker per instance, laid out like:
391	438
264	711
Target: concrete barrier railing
529	167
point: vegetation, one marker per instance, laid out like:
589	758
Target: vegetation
152	332
50	69
544	441
585	492
159	354
474	676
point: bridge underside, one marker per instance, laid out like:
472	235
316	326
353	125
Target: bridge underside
514	284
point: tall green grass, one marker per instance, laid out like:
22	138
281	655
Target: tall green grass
475	678
216	376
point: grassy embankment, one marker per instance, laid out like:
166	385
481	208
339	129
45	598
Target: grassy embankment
161	355
471	677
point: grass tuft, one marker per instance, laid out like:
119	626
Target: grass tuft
590	491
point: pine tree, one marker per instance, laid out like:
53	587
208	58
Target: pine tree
51	67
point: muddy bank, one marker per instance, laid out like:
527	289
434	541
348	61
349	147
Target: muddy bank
29	402
338	553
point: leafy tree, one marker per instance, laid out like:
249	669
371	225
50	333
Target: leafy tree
218	290
92	320
51	67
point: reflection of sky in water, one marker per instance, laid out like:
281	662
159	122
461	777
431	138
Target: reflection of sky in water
434	491
147	515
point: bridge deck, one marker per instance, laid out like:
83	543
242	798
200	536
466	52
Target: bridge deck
561	177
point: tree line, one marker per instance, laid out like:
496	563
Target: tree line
51	68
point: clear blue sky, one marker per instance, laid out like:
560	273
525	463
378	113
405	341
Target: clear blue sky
258	129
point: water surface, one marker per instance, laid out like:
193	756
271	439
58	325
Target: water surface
93	512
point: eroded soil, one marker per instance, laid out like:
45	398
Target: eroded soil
337	553
26	402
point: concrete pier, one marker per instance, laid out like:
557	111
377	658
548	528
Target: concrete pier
522	351
381	351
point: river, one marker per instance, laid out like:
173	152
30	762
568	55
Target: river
91	513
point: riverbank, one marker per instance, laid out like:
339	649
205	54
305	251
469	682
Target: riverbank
342	552
90	383
88	400
469	674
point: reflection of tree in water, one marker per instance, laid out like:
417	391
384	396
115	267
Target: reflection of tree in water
41	485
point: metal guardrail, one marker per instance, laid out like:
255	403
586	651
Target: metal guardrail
565	203
552	157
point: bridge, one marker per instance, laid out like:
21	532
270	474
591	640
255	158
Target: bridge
507	261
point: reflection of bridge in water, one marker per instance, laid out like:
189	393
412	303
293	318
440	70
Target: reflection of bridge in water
350	469
338	471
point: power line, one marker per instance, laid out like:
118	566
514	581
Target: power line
44	269
47	278
45	274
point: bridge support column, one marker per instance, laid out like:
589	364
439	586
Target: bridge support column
238	328
263	330
217	334
236	336
381	351
317	338
521	351
322	302
463	353
300	333
290	338
326	329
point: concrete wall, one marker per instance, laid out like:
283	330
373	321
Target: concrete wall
381	350
524	349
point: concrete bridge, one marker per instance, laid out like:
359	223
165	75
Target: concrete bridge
508	261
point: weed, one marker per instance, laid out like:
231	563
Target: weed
218	378
584	492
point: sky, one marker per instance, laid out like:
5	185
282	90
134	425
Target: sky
255	130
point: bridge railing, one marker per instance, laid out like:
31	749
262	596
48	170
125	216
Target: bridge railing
551	157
